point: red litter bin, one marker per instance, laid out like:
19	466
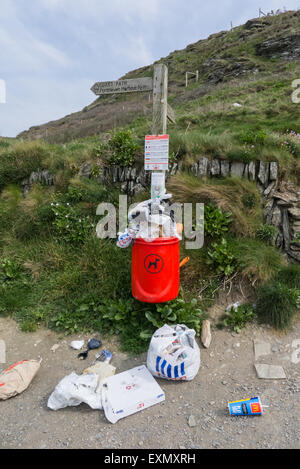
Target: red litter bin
155	270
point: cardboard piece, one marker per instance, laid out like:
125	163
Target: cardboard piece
129	392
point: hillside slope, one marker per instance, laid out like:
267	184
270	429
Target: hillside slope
250	61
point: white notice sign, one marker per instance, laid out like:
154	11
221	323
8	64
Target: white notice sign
157	152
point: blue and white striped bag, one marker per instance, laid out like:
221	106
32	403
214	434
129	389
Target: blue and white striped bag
174	353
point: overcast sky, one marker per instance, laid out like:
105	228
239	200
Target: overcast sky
53	51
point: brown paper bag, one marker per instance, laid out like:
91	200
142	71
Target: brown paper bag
17	378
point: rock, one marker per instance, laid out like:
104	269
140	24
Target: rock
215	168
251	171
237	169
192	421
261	349
269	371
262	173
225	168
269	189
203	167
273	176
2	352
287	47
268	211
55	347
276	217
286	229
206	334
85	170
295	213
194	169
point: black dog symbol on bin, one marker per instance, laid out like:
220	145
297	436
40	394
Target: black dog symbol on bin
153	264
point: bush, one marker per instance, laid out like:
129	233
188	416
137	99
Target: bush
222	258
266	233
277	304
177	312
122	148
216	222
289	276
237	317
20	161
257	261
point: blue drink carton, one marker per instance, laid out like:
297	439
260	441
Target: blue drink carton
245	407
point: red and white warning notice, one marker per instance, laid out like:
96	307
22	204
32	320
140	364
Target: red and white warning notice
156	152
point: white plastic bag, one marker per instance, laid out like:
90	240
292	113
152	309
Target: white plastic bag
174	353
73	390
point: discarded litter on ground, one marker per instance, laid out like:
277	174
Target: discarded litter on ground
129	392
74	390
77	344
93	344
103	369
17	378
174	353
250	407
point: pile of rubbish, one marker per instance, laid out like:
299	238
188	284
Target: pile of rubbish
151	219
173	355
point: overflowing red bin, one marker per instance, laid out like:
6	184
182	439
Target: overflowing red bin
155	270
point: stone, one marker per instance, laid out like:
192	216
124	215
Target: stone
192	421
225	168
286	229
295	213
252	171
206	334
276	217
269	371
273	175
85	170
268	211
195	169
215	168
202	167
237	169
2	352
269	189
262	173
261	349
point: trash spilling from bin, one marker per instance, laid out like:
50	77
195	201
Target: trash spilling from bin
174	353
150	220
16	379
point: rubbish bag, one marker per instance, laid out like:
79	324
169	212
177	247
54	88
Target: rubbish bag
174	353
74	390
17	378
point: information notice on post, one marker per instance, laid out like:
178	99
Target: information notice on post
156	152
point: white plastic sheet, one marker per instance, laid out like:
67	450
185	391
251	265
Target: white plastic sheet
74	390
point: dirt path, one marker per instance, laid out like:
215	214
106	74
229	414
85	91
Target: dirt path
227	373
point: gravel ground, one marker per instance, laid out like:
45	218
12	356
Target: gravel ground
227	373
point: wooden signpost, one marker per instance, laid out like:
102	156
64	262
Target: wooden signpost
157	154
123	86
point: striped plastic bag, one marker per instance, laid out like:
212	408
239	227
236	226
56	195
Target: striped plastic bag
174	353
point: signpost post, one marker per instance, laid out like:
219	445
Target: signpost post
157	144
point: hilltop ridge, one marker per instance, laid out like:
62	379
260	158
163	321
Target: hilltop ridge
262	48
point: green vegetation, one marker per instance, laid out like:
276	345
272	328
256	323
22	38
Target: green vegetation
237	317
